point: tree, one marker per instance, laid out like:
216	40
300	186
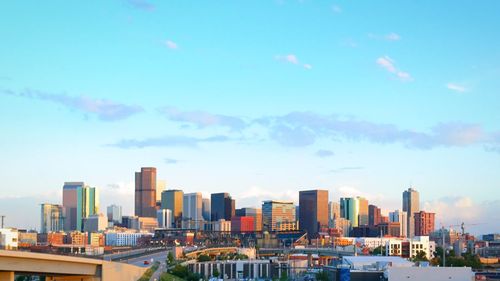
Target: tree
322	276
204	258
379	251
170	258
284	276
420	256
216	273
180	271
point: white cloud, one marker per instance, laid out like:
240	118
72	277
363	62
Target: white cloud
171	44
308	66
456	87
254	196
392	37
390	65
291	58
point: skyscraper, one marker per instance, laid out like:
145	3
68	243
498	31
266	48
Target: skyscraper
164	218
402	218
173	200
363	211
349	209
424	223
256	213
222	206
333	212
114	214
52	218
205	206
277	212
79	202
411	205
313	211
192	210
145	192
161	185
374	215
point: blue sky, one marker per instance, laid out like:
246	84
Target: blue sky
258	98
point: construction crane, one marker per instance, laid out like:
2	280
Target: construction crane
462	227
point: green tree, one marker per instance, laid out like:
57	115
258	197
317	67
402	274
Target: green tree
204	258
322	276
180	271
420	256
216	273
379	251
284	276
170	258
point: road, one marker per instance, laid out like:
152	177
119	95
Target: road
139	261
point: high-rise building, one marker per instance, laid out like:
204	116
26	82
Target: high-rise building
164	218
401	217
205	206
374	215
222	206
52	218
192	214
256	213
333	212
349	209
79	202
424	223
411	205
275	212
161	185
313	211
242	224
95	223
173	199
114	214
145	192
363	211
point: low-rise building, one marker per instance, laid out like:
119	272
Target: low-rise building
242	269
8	238
124	238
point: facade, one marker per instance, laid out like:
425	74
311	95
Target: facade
131	222
274	212
401	217
222	206
125	238
164	218
205	209
313	211
392	229
333	212
349	209
342	224
95	223
242	224
192	214
9	239
242	269
374	215
424	223
145	192
79	202
147	224
256	213
52	218
363	216
114	214
287	226
411	205
173	199
221	225
161	185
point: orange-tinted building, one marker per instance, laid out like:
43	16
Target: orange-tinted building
313	211
145	192
242	224
424	223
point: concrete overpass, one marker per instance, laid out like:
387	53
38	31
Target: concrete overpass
309	251
211	251
62	268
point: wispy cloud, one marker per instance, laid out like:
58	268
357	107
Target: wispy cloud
171	44
390	65
168	141
202	119
336	9
171	161
104	109
141	5
324	153
387	37
344	169
292	59
456	87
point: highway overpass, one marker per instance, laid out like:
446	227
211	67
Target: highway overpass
62	268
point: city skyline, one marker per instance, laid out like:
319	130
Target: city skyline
303	96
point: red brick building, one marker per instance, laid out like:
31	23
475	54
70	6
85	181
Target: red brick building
424	223
242	224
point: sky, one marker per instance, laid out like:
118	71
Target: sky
257	98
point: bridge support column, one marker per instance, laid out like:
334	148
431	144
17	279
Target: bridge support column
309	260
7	276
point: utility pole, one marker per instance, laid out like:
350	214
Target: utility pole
3	217
444	247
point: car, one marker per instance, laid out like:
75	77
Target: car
146	262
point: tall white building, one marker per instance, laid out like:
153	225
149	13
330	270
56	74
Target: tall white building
114	214
192	210
52	218
401	217
411	205
333	212
164	217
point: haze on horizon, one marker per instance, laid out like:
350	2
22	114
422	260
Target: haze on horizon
259	98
